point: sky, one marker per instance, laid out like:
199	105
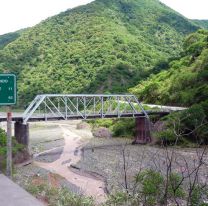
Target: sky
18	14
192	9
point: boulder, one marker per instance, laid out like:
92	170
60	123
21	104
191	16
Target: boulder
102	132
83	125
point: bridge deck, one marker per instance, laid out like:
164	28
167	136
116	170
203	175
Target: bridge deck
19	118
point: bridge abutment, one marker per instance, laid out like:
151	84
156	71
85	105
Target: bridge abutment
21	132
142	131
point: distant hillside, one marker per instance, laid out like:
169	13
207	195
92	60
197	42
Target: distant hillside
105	46
186	81
8	38
201	23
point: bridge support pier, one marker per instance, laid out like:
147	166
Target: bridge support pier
142	131
21	132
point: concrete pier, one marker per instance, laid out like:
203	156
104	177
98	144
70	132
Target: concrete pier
142	131
21	132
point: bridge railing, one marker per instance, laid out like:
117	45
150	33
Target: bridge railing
83	106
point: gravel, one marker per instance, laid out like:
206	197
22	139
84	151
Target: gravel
105	156
24	175
50	156
43	138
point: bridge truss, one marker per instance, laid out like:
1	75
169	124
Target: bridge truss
83	106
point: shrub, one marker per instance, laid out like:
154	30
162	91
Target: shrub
123	128
3	148
58	196
197	196
188	126
151	186
174	188
119	127
3	140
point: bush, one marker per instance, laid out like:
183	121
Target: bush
197	196
149	189
16	147
190	125
124	128
151	186
101	123
174	190
123	199
120	198
58	196
119	127
3	140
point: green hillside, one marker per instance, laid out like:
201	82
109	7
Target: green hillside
105	46
185	82
5	39
201	23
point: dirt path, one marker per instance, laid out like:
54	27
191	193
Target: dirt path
71	155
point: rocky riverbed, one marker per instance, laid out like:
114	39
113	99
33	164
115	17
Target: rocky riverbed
67	155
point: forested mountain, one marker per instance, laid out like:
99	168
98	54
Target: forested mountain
201	23
5	39
105	46
186	81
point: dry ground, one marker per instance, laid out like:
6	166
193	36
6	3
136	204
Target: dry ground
94	158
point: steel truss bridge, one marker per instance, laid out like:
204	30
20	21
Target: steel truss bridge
82	106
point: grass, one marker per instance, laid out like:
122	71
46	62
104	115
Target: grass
53	196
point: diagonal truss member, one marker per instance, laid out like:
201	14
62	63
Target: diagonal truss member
83	106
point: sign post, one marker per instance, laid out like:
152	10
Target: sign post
8	96
9	142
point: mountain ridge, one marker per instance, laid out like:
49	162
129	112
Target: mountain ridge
201	22
184	83
104	46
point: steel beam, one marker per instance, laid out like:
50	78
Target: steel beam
82	106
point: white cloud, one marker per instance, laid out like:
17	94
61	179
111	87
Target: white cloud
17	14
192	9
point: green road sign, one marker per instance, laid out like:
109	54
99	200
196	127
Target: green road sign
8	89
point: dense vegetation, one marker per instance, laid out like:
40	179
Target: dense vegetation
152	188
105	46
3	148
201	23
183	84
7	38
118	127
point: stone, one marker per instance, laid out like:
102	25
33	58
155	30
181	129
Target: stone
102	132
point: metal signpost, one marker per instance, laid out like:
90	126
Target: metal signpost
8	96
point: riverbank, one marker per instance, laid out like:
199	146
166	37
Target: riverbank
55	155
69	157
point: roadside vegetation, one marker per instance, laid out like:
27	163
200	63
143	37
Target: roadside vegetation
53	196
3	149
